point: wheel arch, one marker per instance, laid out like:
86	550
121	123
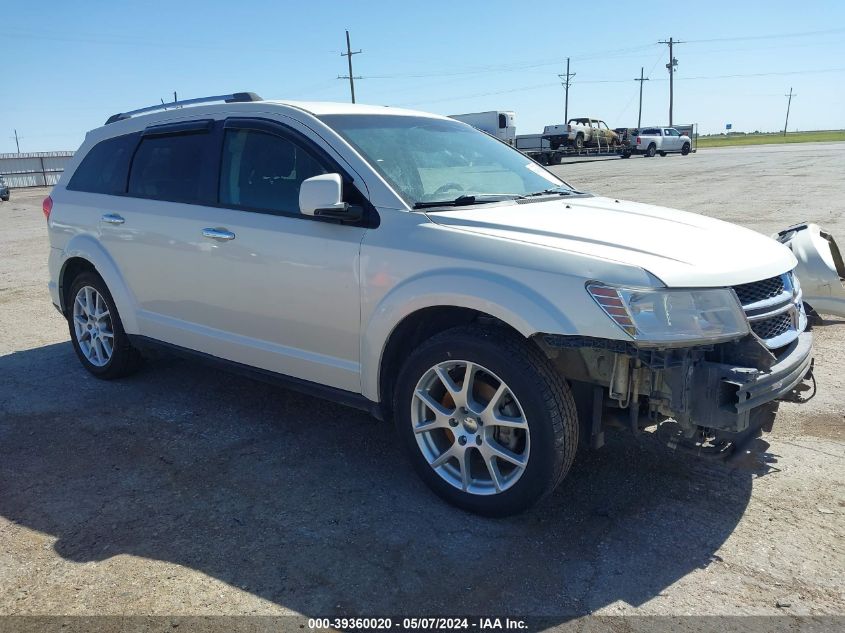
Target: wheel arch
86	254
413	330
417	310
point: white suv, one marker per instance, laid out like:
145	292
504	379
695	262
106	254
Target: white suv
412	266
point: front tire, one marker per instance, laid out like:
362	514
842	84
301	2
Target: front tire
487	422
96	330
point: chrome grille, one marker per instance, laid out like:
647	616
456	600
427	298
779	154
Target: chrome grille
772	327
760	290
774	309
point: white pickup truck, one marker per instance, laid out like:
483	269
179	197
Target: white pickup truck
659	140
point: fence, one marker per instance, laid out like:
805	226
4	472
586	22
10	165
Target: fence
33	169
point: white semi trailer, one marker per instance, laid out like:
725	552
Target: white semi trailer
498	123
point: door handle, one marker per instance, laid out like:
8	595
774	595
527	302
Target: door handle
112	218
221	235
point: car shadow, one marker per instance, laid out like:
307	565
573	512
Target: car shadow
312	506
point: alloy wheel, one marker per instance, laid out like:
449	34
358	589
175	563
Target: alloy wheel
92	325
470	427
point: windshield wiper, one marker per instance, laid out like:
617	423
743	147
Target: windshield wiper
556	190
467	200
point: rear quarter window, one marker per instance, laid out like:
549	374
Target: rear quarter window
105	168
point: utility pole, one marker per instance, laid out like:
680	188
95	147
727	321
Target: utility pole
788	103
348	54
673	63
641	80
17	142
566	82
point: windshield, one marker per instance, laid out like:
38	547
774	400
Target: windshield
431	160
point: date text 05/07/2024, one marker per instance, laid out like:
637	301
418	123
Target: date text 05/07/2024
420	624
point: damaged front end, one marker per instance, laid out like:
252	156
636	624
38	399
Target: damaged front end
707	398
821	267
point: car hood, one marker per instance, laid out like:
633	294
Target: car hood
682	249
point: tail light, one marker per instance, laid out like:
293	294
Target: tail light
47	206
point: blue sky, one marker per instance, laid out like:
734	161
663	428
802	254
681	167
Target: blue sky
69	65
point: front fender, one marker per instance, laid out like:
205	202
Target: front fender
88	248
513	303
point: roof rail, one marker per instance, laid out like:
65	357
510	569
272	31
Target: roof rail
237	97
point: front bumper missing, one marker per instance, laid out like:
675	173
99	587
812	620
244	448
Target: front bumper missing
722	396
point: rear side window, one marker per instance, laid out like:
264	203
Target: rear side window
170	167
104	168
264	171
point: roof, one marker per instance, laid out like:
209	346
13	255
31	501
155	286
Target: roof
248	100
320	108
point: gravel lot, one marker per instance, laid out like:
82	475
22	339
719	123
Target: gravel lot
184	490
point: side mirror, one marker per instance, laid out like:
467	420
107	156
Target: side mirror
322	196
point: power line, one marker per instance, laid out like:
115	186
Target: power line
772	74
788	103
567	80
505	68
673	63
619	81
348	54
634	95
480	94
767	37
732	76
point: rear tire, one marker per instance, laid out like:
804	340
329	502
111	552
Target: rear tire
96	330
502	447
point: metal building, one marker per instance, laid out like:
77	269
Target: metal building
33	169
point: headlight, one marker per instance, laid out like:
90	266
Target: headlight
672	316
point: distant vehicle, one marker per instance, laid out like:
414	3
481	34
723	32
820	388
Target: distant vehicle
498	123
4	190
580	133
660	140
624	134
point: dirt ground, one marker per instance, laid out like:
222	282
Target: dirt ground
185	490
